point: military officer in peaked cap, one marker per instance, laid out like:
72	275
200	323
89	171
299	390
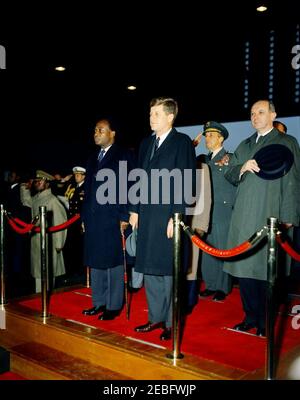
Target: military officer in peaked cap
217	282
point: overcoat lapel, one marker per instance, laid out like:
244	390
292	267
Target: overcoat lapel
162	149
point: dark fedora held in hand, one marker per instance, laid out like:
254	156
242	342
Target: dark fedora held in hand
274	161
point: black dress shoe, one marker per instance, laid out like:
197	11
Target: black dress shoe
243	326
133	289
219	296
207	292
148	327
109	315
261	332
167	334
94	310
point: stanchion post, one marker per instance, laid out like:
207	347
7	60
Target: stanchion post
2	272
88	277
271	280
176	323
44	264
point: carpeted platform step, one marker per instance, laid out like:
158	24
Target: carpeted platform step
37	361
108	352
4	360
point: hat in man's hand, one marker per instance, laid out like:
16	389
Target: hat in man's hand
131	243
213	126
274	161
43	175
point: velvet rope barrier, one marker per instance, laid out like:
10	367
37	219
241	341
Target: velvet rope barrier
60	227
288	248
242	248
28	227
20	222
16	228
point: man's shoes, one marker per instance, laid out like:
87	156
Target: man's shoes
243	326
261	332
219	296
94	310
148	327
207	292
133	290
187	310
109	315
166	334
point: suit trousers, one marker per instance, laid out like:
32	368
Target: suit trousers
108	287
253	295
159	290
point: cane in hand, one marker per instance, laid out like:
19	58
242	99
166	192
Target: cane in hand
125	274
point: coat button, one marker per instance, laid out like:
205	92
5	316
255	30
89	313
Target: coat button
224	202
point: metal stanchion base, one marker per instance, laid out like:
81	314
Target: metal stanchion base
172	357
45	317
2	317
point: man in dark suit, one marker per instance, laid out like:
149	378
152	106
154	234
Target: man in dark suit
217	282
103	221
166	150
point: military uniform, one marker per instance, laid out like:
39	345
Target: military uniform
75	195
223	193
58	216
74	245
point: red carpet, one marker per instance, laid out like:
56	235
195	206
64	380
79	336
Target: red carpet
11	376
205	333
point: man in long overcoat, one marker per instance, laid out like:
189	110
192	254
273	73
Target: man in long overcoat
258	199
166	150
57	215
103	220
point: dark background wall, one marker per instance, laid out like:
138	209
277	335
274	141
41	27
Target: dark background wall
195	53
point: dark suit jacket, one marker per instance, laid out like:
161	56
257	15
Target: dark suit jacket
102	239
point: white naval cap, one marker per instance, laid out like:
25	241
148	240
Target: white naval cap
79	170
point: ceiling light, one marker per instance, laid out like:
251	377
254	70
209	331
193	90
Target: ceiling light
261	8
131	87
60	68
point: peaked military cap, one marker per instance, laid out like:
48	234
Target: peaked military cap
213	126
79	170
43	175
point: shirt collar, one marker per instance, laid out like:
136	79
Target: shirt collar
162	137
215	152
265	133
106	149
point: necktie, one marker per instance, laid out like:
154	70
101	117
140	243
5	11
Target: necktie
101	155
156	144
209	156
258	137
155	147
